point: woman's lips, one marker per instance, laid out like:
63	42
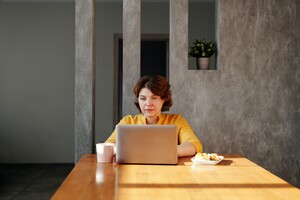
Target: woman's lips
149	110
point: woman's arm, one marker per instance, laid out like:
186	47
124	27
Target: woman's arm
186	149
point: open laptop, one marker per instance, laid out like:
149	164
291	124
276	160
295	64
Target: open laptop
146	144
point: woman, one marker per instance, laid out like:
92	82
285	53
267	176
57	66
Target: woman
153	96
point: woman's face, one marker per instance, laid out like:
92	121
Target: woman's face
150	104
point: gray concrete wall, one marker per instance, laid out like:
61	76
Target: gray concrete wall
85	63
131	51
251	104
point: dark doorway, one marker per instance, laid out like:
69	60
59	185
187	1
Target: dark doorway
154	60
154	57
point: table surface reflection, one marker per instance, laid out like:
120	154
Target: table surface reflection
234	178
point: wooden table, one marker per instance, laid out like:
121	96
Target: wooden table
234	178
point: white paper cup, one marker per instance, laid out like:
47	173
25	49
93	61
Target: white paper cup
105	152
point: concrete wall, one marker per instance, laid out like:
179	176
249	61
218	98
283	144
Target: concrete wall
251	104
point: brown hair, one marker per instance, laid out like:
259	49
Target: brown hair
158	85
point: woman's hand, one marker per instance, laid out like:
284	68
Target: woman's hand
186	149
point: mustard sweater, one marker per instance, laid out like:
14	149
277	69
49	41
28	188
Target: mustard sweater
185	132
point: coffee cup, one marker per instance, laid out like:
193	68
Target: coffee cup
105	152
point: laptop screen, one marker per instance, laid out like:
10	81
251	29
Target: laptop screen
146	144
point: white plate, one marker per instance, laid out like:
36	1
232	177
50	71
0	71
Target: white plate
207	162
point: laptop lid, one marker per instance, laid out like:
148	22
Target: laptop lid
146	144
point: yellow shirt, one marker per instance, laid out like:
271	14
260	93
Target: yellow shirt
185	132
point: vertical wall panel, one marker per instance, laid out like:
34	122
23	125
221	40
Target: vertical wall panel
131	52
178	49
84	77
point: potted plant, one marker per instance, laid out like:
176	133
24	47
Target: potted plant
202	51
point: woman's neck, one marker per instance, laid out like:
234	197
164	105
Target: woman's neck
152	120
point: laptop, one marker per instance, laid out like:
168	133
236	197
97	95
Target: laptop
146	144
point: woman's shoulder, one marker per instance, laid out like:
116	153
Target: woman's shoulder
177	119
173	116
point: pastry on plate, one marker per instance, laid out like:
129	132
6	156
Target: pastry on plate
207	156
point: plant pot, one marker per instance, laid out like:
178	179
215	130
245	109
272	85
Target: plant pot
202	62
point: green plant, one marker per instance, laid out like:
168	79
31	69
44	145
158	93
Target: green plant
202	48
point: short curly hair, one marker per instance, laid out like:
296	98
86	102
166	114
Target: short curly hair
158	85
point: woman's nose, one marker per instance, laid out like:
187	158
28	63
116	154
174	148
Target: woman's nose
148	101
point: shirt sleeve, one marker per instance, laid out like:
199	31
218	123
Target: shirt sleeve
112	137
186	134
